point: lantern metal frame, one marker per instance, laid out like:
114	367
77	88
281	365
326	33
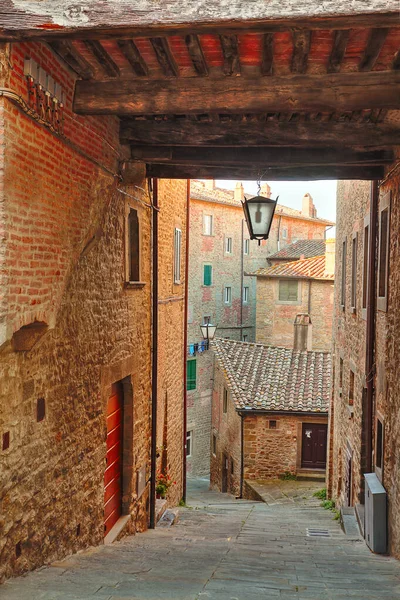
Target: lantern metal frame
205	331
258	200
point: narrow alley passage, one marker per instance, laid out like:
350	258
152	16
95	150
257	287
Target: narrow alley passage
224	549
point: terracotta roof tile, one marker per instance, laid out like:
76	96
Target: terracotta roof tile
271	378
310	268
306	248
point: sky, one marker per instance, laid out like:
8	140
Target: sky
291	193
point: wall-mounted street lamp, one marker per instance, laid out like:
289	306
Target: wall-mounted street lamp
208	330
259	212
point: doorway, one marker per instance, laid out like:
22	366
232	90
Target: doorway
113	472
314	442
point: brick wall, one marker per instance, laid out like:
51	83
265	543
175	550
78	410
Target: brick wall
63	247
275	320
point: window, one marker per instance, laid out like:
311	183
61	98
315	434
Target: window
207	275
207	225
214	445
246	248
206	320
225	401
177	255
284	233
272	424
245	295
383	263
189	443
343	289
40	409
133	246
354	272
6	440
191	374
288	290
365	267
351	388
245	337
228	245
227	295
379	444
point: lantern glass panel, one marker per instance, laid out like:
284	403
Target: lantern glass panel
261	212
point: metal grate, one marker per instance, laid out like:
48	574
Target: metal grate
318	533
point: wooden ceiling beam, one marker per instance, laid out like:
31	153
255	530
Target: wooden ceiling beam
187	132
375	42
164	56
267	61
295	173
97	20
230	50
301	50
339	92
103	58
341	37
196	54
73	59
133	56
278	157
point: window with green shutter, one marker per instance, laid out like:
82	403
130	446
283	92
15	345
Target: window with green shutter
207	275
288	290
191	374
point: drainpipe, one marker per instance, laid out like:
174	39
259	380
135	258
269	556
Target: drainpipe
241	283
185	336
370	337
278	244
154	373
241	455
309	297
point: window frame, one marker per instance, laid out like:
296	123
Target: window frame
188	386
228	245
285	233
177	256
343	275
227	301
244	335
246	247
225	397
289	302
210	216
211	277
354	251
366	250
189	437
246	296
128	247
384	206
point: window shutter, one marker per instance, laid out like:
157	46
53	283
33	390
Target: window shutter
191	375
207	274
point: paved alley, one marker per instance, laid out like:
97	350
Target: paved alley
224	549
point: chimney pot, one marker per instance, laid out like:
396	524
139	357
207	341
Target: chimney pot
265	190
302	332
239	191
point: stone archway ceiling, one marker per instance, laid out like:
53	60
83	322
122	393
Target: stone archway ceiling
289	97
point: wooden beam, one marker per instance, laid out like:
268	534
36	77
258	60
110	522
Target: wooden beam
301	49
196	54
164	56
340	39
267	64
273	157
102	57
270	174
73	59
272	133
133	56
21	20
339	92
375	42
230	50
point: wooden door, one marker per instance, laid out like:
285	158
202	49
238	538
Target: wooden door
224	483
314	441
113	472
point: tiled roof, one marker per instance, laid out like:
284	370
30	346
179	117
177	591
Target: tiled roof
198	191
270	378
306	248
309	268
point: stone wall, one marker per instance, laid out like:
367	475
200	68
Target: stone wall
275	321
63	224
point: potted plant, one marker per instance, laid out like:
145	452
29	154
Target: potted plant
163	483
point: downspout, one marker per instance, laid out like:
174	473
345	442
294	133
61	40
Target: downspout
278	244
370	341
309	297
241	455
241	282
154	373
185	336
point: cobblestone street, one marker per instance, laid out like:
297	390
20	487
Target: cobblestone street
222	548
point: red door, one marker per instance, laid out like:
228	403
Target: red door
313	454
113	473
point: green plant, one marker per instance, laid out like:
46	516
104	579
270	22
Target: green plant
321	494
163	483
182	503
288	476
328	504
336	513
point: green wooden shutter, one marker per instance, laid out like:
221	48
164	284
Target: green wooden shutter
191	374
207	276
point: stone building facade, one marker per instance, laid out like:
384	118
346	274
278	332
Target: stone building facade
230	264
75	327
269	407
287	289
365	349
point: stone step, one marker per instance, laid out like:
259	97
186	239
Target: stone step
311	475
169	518
348	521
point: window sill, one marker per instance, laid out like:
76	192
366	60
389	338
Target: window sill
133	285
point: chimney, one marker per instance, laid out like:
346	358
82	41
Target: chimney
209	184
302	332
265	190
330	256
239	191
307	208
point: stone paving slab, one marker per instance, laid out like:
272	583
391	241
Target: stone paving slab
224	549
